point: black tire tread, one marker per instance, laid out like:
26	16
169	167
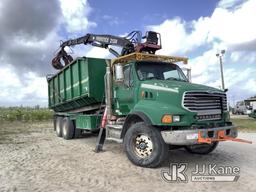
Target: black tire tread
162	149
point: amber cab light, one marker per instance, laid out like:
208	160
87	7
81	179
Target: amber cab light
167	119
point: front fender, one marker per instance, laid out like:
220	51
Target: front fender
155	110
134	117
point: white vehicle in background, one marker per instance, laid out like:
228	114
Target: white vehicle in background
242	109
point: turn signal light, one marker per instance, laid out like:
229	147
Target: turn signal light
167	119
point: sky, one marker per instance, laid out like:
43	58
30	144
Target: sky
31	31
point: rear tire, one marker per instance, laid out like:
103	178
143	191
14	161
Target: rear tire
68	130
145	146
202	149
58	126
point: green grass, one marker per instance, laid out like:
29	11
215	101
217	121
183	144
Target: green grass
245	124
23	120
25	114
10	130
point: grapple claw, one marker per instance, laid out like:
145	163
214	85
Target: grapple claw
61	56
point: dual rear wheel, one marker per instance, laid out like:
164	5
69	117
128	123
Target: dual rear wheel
64	127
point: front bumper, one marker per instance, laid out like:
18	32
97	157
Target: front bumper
190	137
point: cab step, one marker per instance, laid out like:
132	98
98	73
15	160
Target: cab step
113	133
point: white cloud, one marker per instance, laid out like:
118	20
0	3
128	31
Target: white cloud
234	26
30	54
229	3
30	91
75	15
8	79
173	36
204	63
97	52
200	31
243	57
229	27
240	83
89	51
233	76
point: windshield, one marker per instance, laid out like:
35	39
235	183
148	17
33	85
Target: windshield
159	70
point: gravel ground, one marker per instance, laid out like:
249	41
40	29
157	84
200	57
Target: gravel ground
32	158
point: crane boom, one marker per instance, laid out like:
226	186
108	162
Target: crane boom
131	43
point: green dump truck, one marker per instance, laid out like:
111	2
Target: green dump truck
139	99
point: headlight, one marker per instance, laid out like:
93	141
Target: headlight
176	118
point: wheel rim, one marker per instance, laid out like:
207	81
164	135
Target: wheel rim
143	146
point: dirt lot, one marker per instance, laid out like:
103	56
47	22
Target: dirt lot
32	158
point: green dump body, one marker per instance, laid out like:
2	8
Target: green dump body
78	85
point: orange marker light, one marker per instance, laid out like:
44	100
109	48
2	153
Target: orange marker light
167	119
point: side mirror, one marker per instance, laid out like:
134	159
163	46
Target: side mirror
119	73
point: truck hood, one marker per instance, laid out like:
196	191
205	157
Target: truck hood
175	86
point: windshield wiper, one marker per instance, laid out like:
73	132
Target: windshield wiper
176	79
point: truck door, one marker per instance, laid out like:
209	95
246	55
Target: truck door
124	92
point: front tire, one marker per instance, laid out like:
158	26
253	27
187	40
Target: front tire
145	146
202	149
68	129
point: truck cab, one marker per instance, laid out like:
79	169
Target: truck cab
155	95
158	88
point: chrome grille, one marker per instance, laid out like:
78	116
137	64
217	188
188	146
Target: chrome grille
205	103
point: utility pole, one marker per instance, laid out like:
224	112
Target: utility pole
220	55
